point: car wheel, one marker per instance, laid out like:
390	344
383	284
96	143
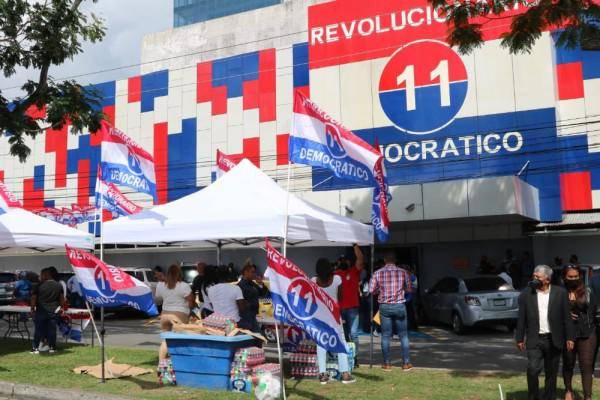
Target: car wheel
457	325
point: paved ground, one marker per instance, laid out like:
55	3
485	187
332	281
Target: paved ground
432	347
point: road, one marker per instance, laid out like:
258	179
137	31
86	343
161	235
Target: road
432	347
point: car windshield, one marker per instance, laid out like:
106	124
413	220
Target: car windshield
485	284
189	273
5	278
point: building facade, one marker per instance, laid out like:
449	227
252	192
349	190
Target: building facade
187	12
479	148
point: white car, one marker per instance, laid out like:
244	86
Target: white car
145	275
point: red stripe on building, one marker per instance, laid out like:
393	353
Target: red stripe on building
56	142
83	182
32	199
250	93
282	149
161	160
134	89
266	85
206	92
576	191
569	77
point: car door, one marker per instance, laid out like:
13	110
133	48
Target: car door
448	297
432	302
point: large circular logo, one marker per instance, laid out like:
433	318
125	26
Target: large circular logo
302	299
423	87
134	164
102	284
334	141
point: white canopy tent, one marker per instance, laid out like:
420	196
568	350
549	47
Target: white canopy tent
20	228
241	208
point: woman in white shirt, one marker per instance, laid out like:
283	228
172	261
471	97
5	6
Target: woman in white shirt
331	284
177	300
226	298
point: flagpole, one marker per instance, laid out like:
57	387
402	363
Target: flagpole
102	331
285	234
372	300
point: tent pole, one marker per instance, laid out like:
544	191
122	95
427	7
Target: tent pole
219	245
371	301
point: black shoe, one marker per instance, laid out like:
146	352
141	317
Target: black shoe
324	378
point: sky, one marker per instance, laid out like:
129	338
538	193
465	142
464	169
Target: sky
127	21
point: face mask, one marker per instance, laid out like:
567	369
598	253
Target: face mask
571	284
535	284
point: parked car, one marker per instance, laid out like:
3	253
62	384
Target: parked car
189	272
145	275
7	287
469	302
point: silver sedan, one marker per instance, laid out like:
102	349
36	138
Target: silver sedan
468	302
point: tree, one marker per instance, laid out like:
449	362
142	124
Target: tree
579	21
39	35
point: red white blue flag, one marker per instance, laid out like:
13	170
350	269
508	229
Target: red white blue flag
318	140
381	198
110	198
107	286
224	163
124	162
300	302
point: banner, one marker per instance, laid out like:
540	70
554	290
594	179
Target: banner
74	216
124	162
300	302
107	286
318	140
224	163
113	200
72	326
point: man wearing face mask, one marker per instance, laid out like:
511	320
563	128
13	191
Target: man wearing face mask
349	296
543	327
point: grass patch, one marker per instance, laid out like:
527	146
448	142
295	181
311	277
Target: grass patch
18	366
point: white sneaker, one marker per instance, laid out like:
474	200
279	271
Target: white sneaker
34	351
44	348
51	351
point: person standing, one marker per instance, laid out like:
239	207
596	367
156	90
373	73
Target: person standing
331	284
47	302
350	294
198	280
75	295
177	300
543	327
22	291
253	289
392	283
584	309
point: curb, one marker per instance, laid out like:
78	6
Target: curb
32	392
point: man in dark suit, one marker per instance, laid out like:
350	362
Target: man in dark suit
544	328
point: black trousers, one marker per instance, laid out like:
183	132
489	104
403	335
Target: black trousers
45	328
544	357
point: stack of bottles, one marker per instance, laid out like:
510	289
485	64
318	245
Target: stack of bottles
304	360
219	322
248	367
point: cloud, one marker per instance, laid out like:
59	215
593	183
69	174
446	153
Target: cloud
127	22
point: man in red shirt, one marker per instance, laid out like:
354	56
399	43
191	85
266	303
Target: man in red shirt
350	292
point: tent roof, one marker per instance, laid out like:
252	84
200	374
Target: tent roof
24	229
242	207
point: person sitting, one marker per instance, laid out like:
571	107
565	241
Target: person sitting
197	283
331	284
159	273
47	301
226	298
210	279
177	300
22	291
252	293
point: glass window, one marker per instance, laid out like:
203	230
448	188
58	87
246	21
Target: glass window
187	12
5	278
484	284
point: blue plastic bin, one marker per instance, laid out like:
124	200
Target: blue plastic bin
204	361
